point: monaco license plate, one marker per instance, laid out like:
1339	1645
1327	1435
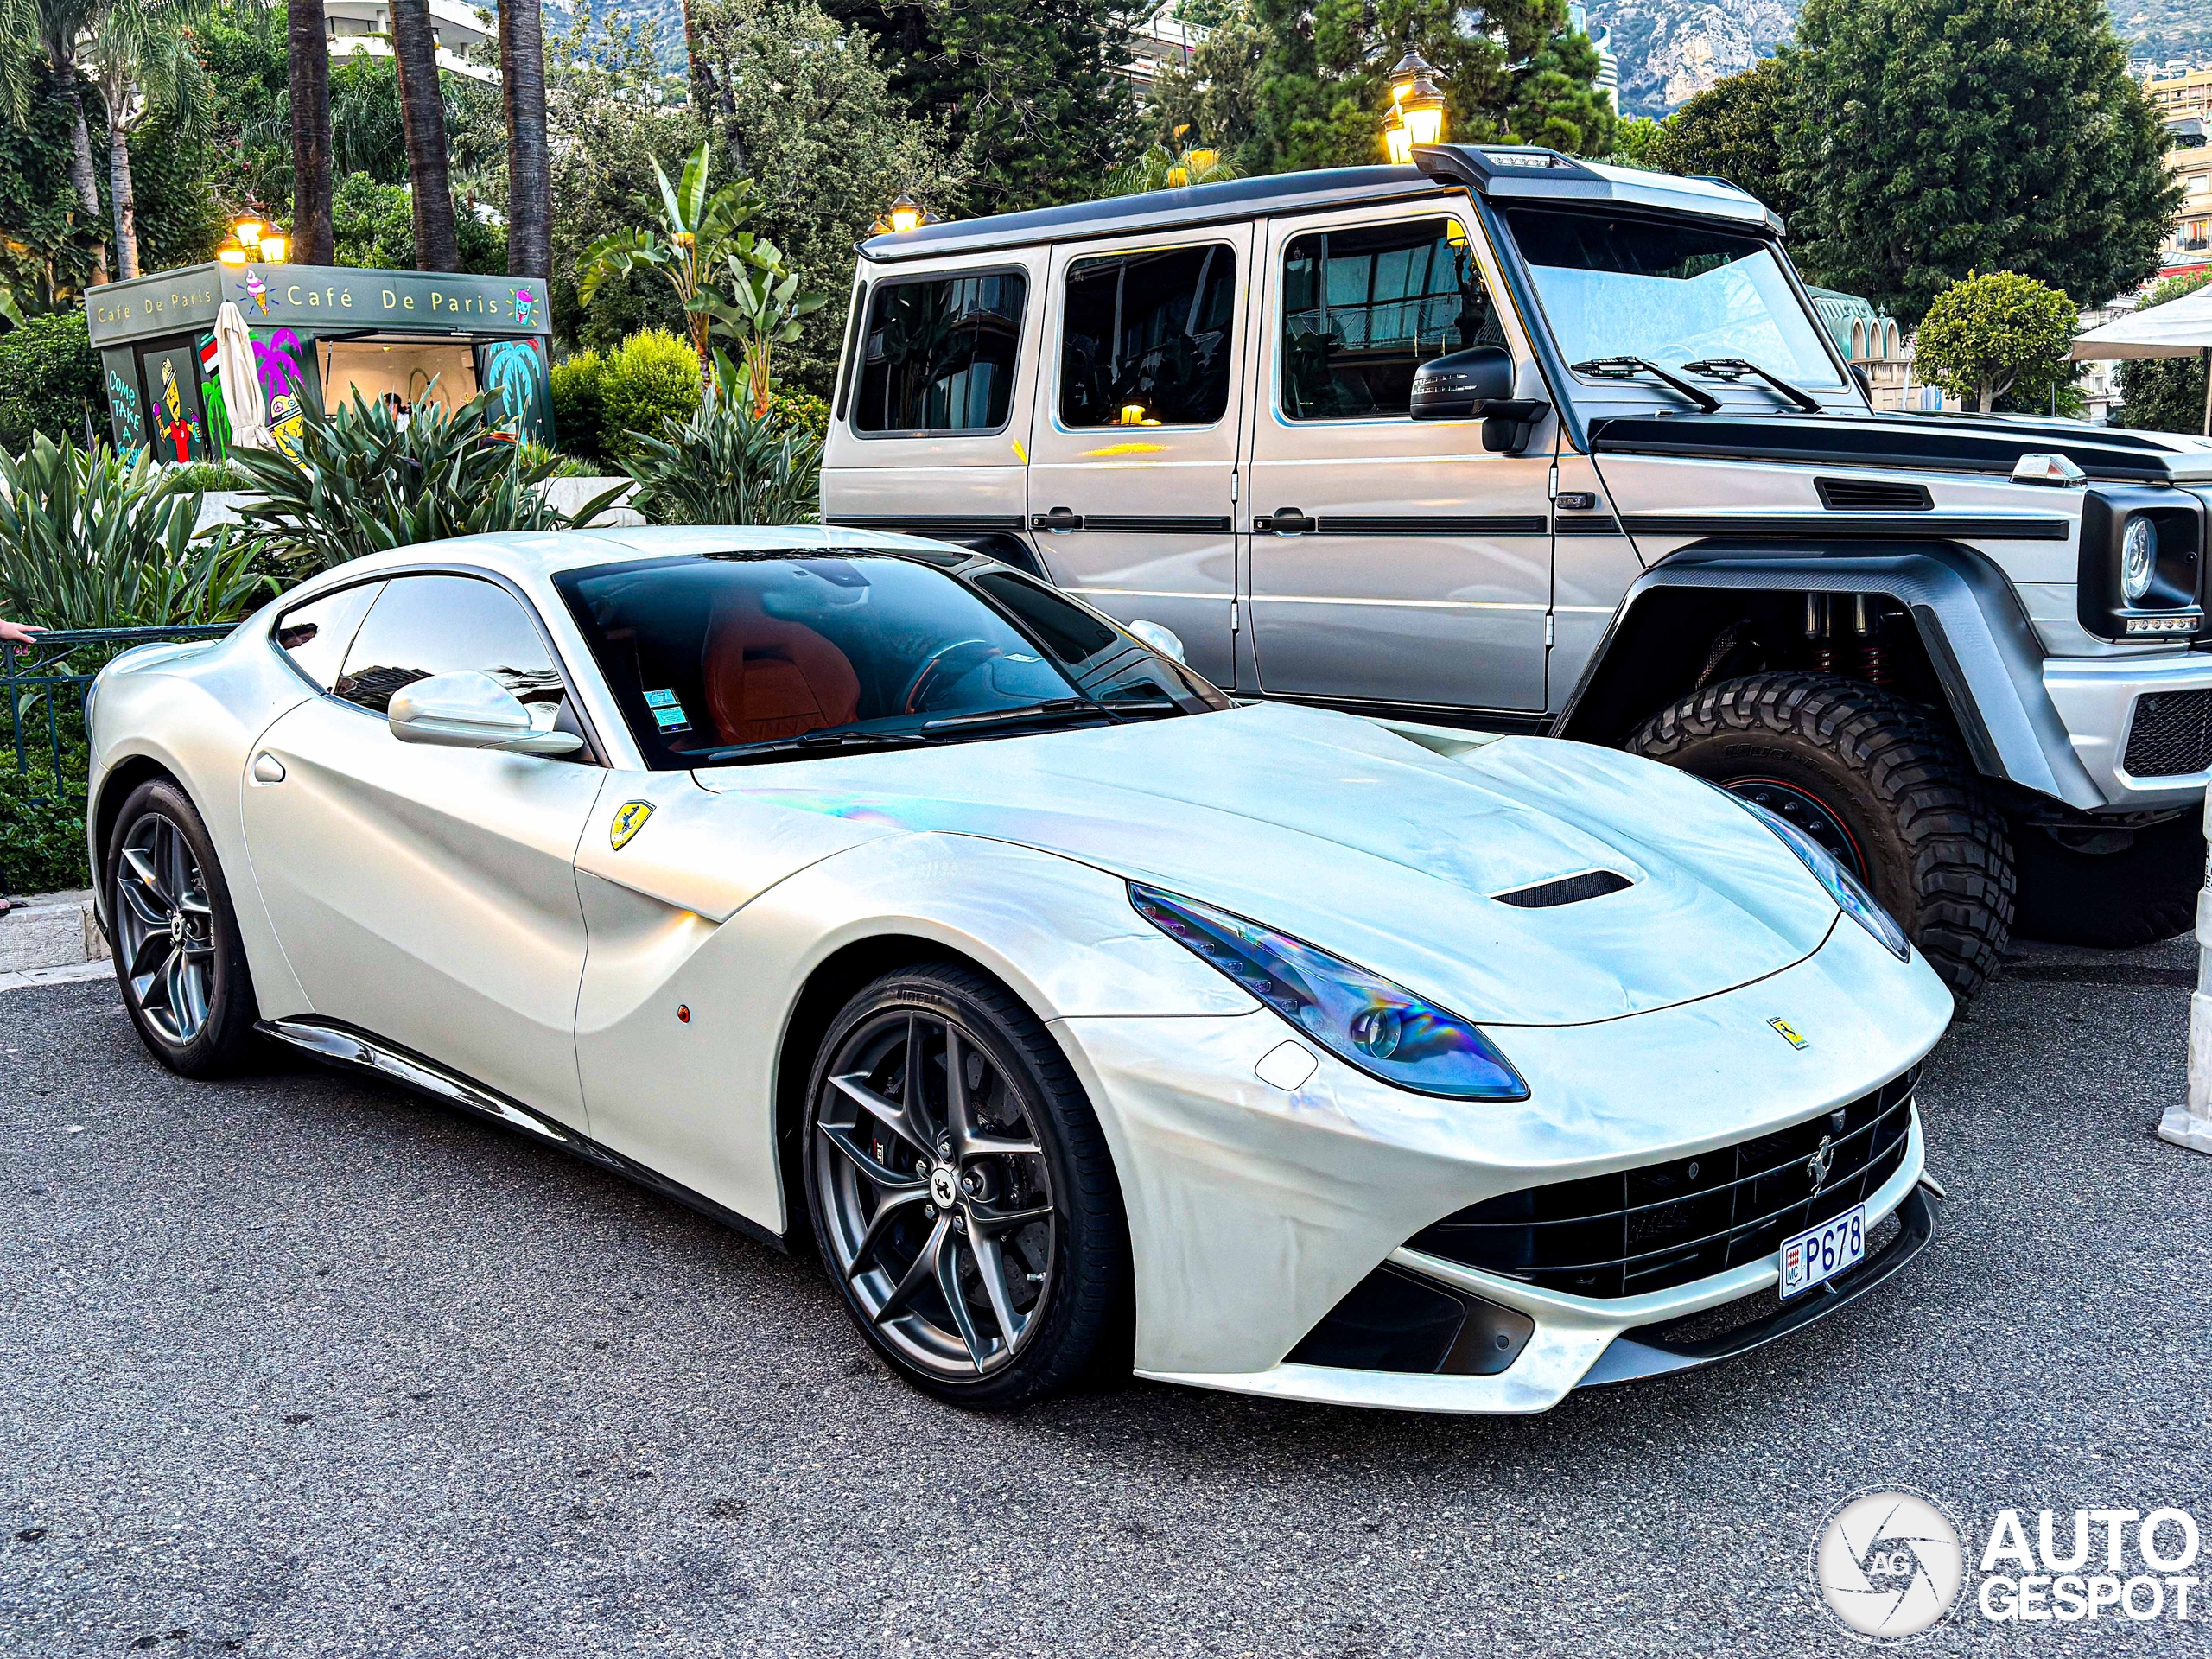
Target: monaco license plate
1822	1252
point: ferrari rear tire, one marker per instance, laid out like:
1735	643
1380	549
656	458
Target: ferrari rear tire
179	960
963	1196
1872	778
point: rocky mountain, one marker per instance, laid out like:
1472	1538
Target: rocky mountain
1670	50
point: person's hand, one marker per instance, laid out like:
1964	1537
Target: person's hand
19	634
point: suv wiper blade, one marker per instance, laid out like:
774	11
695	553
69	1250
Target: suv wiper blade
1051	709
1733	369
808	742
1627	368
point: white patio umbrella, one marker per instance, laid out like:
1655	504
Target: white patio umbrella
2180	327
241	383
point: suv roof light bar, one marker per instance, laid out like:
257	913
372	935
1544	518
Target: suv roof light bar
1529	171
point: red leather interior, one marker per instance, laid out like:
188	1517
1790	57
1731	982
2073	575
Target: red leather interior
768	679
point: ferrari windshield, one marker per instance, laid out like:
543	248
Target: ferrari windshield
1671	293
727	659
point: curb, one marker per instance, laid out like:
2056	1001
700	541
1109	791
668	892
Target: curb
50	931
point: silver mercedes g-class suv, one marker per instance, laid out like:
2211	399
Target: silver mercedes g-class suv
1514	441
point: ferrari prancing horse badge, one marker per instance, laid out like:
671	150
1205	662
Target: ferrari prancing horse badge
628	821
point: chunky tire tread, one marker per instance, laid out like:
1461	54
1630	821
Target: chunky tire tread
1940	851
1092	1318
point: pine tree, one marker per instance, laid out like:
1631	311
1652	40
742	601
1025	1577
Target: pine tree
1031	89
1929	138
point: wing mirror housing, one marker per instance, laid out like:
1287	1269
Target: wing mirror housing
1161	637
1478	385
471	710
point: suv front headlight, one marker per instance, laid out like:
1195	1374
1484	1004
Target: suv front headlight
1361	1018
2141	574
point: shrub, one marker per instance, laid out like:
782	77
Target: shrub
2164	394
42	828
49	380
1986	335
651	380
726	466
204	477
363	483
90	540
578	415
801	410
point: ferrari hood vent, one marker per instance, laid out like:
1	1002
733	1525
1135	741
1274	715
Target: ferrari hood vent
1567	890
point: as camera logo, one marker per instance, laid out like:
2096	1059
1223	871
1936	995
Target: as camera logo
1889	1564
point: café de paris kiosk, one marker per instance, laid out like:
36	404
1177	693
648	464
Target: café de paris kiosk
320	334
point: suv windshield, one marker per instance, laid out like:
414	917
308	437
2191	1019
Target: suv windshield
710	656
1669	293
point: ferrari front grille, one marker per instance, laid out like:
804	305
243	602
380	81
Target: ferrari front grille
1665	1224
2170	735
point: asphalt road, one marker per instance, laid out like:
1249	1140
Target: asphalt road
303	1365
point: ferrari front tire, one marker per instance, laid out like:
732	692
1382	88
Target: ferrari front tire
178	957
1872	778
963	1196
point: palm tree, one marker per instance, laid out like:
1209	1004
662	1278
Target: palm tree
308	39
423	117
530	166
143	63
51	29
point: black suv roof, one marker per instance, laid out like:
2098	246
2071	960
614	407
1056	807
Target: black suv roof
1497	171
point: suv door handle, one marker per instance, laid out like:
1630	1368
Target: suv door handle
1285	521
1058	521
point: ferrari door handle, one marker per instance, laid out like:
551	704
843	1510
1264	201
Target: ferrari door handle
1285	521
267	768
1058	521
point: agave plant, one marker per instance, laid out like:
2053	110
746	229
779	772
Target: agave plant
365	482
90	539
729	466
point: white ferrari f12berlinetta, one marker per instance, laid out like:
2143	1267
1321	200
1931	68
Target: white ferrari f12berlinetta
868	891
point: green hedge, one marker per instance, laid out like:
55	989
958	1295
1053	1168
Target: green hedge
41	843
49	381
650	381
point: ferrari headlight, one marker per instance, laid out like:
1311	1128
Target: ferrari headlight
2139	557
1843	886
1361	1018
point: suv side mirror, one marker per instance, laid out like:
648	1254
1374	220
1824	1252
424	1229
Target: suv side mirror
471	710
1161	637
1477	383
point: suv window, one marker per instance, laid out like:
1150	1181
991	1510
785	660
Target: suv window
1145	339
314	635
422	625
1366	306
939	354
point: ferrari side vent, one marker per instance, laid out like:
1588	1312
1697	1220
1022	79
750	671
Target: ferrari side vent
1866	495
1567	890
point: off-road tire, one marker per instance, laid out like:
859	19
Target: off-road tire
1087	1322
2134	894
224	1042
1934	850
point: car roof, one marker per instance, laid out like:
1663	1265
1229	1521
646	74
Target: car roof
1498	172
527	555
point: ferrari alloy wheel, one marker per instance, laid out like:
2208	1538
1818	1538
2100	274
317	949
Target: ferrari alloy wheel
176	941
962	1193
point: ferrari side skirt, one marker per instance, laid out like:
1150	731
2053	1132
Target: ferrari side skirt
337	1044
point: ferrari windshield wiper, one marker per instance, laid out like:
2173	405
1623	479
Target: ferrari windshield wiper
1627	368
1733	369
807	743
1051	709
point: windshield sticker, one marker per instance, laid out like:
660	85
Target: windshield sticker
668	714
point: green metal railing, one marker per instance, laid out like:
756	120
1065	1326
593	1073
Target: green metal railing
43	686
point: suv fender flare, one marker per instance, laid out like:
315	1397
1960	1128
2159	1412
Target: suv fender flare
1984	650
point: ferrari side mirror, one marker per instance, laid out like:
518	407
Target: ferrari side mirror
471	710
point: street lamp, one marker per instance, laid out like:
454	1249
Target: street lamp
272	249
905	214
248	231
1422	110
1416	112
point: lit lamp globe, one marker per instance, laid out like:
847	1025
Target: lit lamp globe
905	214
231	256
248	231
1422	109
1396	140
272	249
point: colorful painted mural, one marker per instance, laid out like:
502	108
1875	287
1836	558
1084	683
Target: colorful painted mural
211	405
123	409
516	370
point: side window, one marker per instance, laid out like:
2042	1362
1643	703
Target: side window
1145	339
1363	308
938	355
422	625
314	635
